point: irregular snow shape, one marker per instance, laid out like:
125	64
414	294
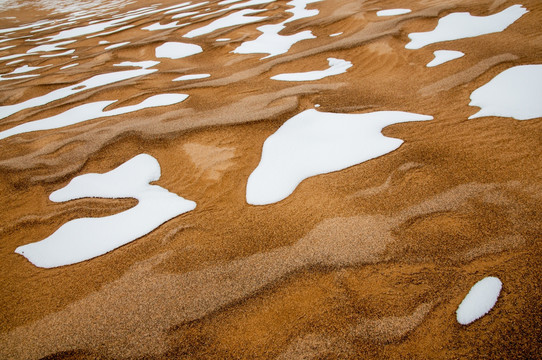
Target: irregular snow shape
85	238
25	68
299	10
270	42
186	8
392	12
192	77
464	25
480	299
442	56
516	93
313	143
237	18
116	45
50	47
90	111
336	66
69	66
177	50
142	64
250	3
158	26
93	82
178	16
68	52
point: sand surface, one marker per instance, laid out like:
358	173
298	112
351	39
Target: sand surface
369	262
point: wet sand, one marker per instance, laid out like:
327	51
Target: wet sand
369	262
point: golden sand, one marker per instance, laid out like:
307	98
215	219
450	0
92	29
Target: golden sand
369	262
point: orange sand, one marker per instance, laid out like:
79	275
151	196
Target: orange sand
370	262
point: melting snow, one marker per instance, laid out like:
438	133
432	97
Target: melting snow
93	82
392	12
117	45
158	26
177	50
192	77
236	18
271	42
516	93
480	299
85	238
442	56
313	143
90	111
464	25
336	66
68	66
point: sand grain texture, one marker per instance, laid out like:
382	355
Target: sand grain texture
369	262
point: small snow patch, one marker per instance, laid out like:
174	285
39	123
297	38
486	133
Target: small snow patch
480	299
177	50
442	56
392	12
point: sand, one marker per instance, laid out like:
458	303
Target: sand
369	262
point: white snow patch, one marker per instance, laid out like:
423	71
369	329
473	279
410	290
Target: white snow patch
69	66
336	34
271	42
313	143
90	111
515	92
25	68
250	3
93	82
442	56
85	238
158	26
67	52
480	299
103	42
223	39
50	47
237	18
392	12
463	25
177	50
114	46
142	64
178	16
336	66
192	77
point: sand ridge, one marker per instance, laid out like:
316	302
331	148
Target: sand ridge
368	262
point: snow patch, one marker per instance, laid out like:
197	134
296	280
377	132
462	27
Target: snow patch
85	238
516	93
392	12
479	301
442	56
90	111
237	18
192	77
463	25
177	50
313	143
336	66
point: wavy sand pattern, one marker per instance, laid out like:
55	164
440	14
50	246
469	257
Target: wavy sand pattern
368	262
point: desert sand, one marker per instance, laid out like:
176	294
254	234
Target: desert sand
367	262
